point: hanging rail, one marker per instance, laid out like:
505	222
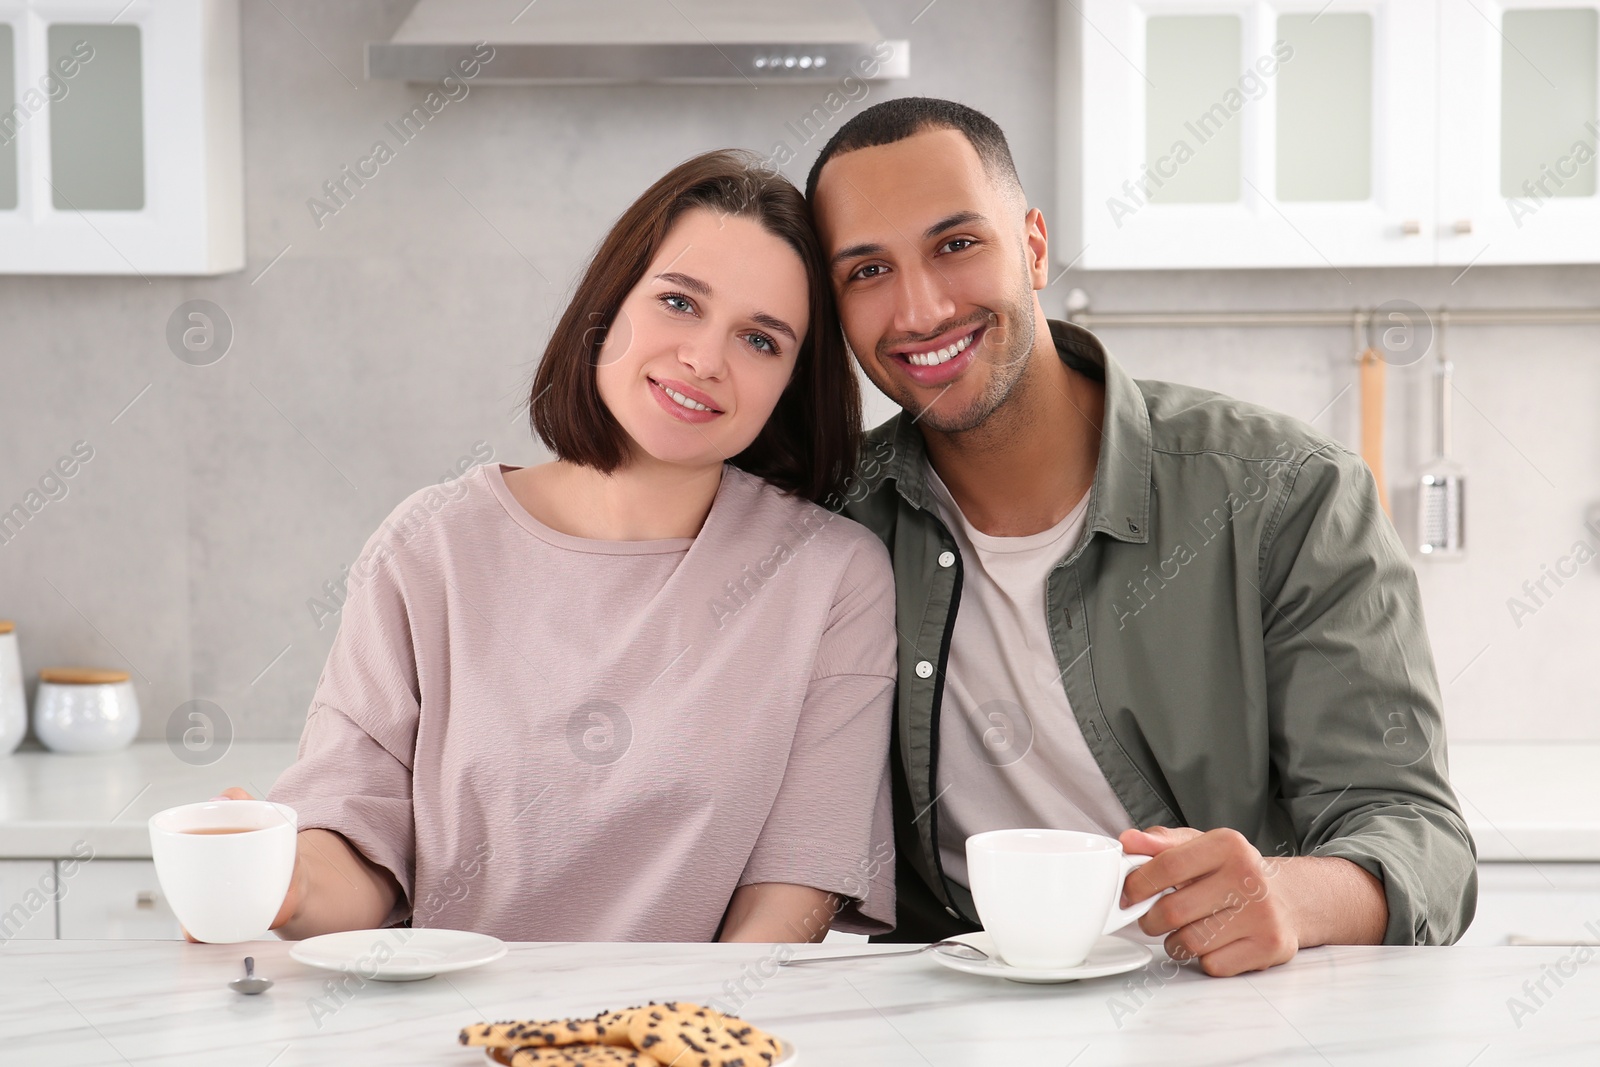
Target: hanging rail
1078	312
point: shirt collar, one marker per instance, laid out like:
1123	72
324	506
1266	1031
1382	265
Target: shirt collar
1119	502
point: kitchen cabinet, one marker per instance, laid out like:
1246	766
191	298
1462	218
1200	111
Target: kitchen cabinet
1520	132
1520	903
120	146
1303	133
27	900
115	899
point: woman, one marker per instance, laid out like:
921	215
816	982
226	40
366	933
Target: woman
641	692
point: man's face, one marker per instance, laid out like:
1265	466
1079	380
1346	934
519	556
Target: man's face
934	280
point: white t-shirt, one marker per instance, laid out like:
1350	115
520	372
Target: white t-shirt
1010	751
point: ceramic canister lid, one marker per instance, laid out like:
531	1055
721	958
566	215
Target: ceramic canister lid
81	676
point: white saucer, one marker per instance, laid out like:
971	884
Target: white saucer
787	1056
1110	955
398	955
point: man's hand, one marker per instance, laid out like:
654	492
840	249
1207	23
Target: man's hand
1237	911
1223	910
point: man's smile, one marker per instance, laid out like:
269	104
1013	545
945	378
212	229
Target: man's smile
942	359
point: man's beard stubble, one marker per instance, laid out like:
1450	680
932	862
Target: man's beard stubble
1008	366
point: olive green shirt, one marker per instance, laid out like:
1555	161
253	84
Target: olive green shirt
1240	635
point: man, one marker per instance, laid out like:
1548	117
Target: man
1132	608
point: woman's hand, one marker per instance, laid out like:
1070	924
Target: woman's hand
291	899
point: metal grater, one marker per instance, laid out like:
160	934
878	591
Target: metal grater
1442	506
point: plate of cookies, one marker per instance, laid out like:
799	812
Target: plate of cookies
672	1034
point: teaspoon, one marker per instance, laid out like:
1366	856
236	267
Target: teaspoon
250	984
955	948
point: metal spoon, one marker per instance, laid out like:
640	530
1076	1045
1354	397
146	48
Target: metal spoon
955	948
250	985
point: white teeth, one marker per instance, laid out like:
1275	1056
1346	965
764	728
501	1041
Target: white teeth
943	355
692	405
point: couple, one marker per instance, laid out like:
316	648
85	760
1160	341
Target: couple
661	689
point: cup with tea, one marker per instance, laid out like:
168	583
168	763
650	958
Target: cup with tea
225	865
1046	896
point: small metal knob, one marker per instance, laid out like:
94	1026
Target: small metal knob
144	900
1410	228
1463	227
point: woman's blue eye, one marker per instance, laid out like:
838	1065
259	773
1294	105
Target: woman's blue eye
673	300
762	342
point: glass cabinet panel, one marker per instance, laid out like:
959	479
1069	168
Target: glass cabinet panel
97	128
1549	86
10	121
1192	134
1324	149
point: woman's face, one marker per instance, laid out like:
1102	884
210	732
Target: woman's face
704	345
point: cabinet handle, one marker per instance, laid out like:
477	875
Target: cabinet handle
1463	227
144	900
1410	228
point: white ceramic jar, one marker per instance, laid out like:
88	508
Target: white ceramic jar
13	701
79	709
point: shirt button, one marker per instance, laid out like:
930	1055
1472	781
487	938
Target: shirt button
924	669
947	559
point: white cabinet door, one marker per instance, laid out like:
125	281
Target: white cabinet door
1537	902
1240	134
1519	131
27	899
120	146
115	899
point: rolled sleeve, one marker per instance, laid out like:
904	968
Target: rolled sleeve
1358	738
830	826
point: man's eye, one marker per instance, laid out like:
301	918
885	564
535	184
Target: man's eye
863	272
964	242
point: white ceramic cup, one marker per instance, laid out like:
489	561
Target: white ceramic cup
1046	896
225	887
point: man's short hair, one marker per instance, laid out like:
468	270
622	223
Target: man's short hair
905	116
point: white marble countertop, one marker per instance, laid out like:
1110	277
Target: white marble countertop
146	1002
1524	801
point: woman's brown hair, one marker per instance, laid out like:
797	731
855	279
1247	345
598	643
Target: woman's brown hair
808	446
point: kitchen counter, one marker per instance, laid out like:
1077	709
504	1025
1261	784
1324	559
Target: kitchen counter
137	1002
49	801
1526	801
1529	801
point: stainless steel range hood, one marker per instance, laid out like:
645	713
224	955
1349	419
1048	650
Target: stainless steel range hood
611	42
